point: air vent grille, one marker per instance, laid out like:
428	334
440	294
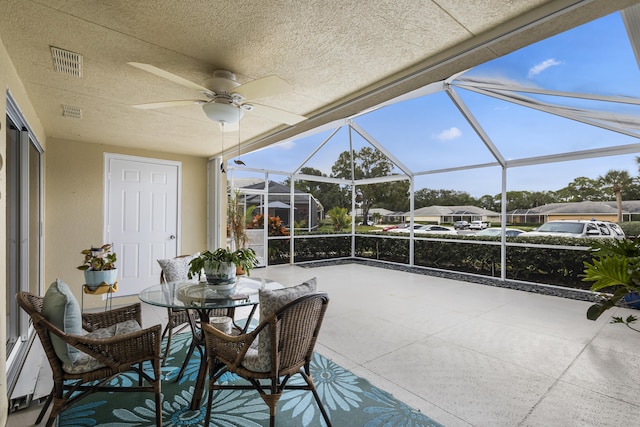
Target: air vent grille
66	62
71	111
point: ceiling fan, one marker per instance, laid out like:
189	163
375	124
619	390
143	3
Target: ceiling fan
224	100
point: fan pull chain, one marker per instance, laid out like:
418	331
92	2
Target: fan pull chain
222	154
238	161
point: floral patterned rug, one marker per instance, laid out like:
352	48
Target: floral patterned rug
349	400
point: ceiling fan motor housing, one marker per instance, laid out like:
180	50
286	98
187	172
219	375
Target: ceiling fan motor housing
223	81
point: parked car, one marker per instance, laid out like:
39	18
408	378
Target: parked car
578	228
394	227
461	225
425	229
434	229
405	229
478	225
510	232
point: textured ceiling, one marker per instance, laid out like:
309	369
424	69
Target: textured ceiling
341	57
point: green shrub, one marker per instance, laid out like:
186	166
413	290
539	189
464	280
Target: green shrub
631	228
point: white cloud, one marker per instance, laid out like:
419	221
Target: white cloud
537	69
448	134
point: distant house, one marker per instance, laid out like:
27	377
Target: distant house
385	215
305	208
604	211
450	214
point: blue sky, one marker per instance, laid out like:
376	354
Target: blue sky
429	133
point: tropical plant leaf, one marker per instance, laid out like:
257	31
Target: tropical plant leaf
606	272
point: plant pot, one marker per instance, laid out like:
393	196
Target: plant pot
220	273
632	300
94	278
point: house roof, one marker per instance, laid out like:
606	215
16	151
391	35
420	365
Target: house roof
340	58
584	207
452	210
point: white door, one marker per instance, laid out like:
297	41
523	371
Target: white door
142	217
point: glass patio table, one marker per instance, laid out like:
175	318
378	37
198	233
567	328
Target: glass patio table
201	298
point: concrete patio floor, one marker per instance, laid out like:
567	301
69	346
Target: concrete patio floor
467	354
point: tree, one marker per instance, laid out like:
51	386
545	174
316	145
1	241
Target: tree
339	218
582	189
489	202
428	197
329	195
371	163
617	180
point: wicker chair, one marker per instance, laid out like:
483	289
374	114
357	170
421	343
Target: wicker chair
118	354
293	330
178	319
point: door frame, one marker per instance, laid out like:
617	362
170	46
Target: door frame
108	157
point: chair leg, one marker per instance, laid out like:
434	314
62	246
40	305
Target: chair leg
312	386
271	399
157	390
58	402
207	416
168	330
45	407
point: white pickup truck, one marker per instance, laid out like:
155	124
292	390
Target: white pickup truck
478	225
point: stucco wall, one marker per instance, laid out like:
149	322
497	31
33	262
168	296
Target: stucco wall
74	181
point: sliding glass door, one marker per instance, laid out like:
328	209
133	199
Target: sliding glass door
23	164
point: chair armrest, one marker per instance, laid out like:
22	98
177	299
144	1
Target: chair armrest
104	319
121	351
228	349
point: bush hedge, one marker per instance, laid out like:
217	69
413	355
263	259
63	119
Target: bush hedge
545	260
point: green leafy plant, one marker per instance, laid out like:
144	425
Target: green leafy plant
244	258
339	218
99	259
615	268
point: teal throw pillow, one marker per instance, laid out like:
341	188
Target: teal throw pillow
61	308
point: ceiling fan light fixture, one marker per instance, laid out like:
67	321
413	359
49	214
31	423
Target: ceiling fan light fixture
223	112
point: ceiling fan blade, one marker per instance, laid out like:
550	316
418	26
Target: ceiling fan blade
264	87
276	114
169	76
153	105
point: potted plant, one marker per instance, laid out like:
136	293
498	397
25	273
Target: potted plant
616	269
99	266
220	265
237	218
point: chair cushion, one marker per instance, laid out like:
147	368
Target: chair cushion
271	300
176	269
86	363
61	308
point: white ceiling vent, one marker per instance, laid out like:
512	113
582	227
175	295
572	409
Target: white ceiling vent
66	62
71	111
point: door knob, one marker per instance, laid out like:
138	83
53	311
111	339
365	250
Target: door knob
172	237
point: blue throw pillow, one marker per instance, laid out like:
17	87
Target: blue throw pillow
61	308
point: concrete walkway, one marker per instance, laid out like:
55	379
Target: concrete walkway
476	355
